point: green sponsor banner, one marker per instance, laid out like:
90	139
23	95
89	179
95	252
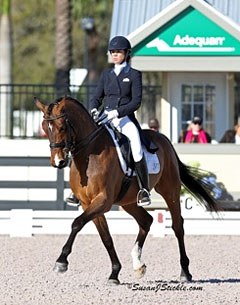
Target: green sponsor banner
189	34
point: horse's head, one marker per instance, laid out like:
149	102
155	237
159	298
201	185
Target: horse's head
56	126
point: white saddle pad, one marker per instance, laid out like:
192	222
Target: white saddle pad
153	164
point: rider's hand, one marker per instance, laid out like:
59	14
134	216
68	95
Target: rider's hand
109	116
95	114
113	114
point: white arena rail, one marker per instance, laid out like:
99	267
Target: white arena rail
26	223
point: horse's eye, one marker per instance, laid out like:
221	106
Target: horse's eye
62	129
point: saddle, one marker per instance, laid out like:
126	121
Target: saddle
125	147
123	140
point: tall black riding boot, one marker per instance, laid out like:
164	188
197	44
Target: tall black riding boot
72	201
143	181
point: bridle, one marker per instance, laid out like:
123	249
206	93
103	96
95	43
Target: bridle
70	144
66	145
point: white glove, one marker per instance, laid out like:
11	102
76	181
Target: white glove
113	114
109	116
95	114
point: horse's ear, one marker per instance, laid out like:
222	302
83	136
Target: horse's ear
40	105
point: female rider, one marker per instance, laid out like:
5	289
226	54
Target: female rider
119	90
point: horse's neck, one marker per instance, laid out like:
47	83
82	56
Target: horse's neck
85	128
83	124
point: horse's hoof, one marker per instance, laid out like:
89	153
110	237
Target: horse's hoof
113	282
139	273
185	277
60	267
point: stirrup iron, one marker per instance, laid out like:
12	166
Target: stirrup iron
143	198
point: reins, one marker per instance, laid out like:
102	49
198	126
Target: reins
86	141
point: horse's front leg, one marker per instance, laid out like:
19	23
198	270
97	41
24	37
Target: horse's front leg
61	264
97	207
102	227
144	220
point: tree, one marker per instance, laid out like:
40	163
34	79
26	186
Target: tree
94	42
63	51
34	38
33	24
5	67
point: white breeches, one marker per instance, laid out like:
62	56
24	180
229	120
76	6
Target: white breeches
129	129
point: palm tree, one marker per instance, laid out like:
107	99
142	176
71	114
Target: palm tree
6	68
63	52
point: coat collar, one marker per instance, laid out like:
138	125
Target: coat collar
126	69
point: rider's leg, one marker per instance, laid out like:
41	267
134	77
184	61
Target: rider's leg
143	181
128	128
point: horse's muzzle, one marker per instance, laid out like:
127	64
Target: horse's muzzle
62	164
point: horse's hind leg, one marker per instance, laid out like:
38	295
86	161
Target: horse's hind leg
177	225
102	227
144	220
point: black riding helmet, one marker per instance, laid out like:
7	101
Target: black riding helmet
119	43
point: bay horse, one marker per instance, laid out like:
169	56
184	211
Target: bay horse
96	178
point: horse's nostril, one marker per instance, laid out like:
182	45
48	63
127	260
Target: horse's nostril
62	164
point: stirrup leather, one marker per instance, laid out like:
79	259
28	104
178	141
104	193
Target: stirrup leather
143	197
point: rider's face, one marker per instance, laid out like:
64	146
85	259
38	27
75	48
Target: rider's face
118	56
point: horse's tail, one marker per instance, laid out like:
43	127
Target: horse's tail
192	180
